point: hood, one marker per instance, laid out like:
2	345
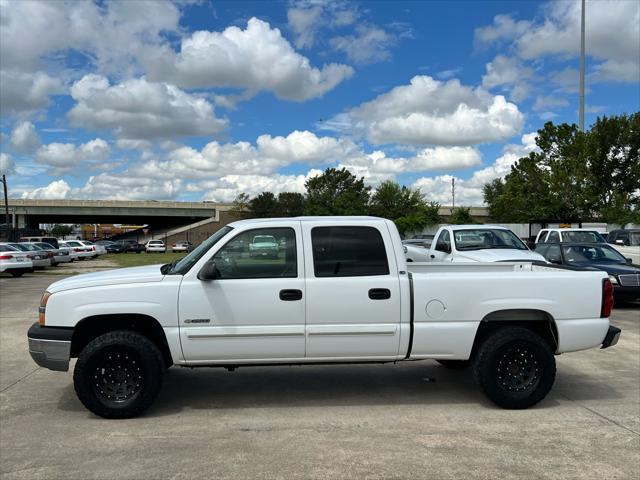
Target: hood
147	273
499	255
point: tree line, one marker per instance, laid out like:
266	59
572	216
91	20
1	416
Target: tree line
340	192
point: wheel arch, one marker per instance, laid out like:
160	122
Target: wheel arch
538	321
93	326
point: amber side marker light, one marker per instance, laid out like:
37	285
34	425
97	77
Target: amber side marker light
43	307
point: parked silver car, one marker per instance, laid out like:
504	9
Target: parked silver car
59	255
14	261
39	257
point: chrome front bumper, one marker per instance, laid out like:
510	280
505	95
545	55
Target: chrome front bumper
50	347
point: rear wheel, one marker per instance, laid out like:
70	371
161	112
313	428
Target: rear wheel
515	368
17	273
119	374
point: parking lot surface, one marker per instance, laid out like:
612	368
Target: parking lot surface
408	420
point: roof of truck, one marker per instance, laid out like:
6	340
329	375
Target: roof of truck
337	219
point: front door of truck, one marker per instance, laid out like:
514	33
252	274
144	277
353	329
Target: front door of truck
255	308
353	291
442	250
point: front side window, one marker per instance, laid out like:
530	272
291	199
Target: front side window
348	252
543	236
444	242
259	253
554	237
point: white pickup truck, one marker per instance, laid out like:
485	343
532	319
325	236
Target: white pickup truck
473	243
338	291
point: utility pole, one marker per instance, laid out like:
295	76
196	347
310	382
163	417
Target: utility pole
6	209
453	194
582	54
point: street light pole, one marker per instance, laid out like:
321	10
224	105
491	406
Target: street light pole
582	54
6	208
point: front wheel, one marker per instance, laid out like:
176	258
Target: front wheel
18	273
119	374
515	368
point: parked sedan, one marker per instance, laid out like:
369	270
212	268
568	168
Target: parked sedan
155	246
80	251
14	261
624	275
97	249
181	247
39	257
111	247
130	245
59	255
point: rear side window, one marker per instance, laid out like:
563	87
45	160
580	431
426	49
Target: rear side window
348	252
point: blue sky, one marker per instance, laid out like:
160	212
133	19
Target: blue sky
198	100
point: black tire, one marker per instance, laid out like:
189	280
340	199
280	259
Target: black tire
515	368
125	357
19	273
455	364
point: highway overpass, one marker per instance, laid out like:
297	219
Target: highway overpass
27	213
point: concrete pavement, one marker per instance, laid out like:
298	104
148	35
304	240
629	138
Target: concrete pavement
409	420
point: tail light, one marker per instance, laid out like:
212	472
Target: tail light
30	257
607	298
6	257
77	250
93	248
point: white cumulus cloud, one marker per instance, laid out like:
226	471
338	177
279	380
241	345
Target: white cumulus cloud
257	58
63	157
139	109
24	138
431	112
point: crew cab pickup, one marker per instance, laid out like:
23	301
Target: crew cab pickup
338	291
478	243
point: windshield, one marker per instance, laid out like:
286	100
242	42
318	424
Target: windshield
181	267
487	238
582	236
592	254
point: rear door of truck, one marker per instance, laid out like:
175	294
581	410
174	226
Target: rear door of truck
353	290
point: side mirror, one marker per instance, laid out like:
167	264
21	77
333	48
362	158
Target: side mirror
555	260
629	260
208	271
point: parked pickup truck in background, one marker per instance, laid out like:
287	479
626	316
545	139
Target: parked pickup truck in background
338	291
475	243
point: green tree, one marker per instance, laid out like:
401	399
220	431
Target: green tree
575	176
60	230
405	206
290	204
264	205
336	192
240	207
461	216
614	168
